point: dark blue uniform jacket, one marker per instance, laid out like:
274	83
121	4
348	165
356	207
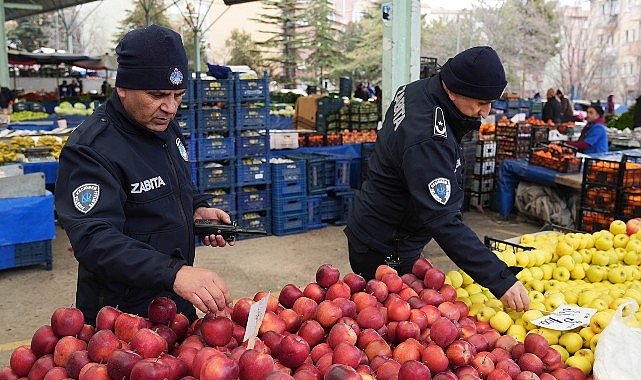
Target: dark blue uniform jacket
414	190
125	197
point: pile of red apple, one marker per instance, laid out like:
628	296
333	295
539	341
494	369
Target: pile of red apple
391	327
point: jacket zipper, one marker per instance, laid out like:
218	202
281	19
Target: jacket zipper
178	191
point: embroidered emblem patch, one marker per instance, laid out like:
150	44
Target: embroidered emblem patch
440	189
85	197
440	128
181	149
175	77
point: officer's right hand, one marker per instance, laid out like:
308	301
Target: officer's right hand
203	288
516	297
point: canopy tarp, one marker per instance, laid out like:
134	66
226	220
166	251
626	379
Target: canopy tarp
105	62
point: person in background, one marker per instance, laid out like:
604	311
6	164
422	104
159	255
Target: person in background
552	108
414	191
610	107
63	89
594	136
124	193
636	118
567	111
361	92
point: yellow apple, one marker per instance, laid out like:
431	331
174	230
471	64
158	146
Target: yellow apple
587	353
552	336
527	239
600	258
494	304
618	227
620	240
475	308
633	294
617	275
596	273
473	288
529	316
535	285
525	275
603	243
600	320
580	362
517	332
587	241
564	353
572	341
564	248
467	280
577	273
547	270
509	258
618	301
599	304
553	300
586	255
571	296
539	305
485	314
566	262
586	297
634	244
462	293
501	321
587	334
594	341
574	239
478	298
456	279
561	273
522	259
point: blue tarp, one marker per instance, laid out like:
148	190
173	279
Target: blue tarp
26	220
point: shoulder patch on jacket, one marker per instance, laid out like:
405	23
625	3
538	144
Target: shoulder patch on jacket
440	189
181	149
85	197
440	128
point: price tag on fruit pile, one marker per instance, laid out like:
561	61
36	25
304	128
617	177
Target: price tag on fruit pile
566	317
255	319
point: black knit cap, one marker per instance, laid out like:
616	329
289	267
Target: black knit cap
476	73
152	58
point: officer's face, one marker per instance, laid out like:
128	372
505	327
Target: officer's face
470	107
154	109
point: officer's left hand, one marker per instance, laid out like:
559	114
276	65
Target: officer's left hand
217	215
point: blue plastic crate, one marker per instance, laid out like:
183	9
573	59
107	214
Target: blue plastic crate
288	189
280	122
251	116
315	170
254	197
215	90
251	89
314	211
189	98
289	224
186	119
217	148
215	119
252	143
289	171
253	172
337	207
216	174
337	171
255	220
224	199
500	104
17	255
289	206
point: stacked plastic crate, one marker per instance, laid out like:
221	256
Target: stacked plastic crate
480	156
611	190
513	140
253	177
289	197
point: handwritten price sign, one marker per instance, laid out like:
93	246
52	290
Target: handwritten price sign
255	319
566	317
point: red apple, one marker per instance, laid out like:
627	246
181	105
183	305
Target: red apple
341	332
633	226
509	366
55	373
339	289
106	317
150	368
388	370
320	350
378	348
294	350
466	372
178	368
500	353
75	362
406	330
6	373
530	362
363	300
381	270
499	374
407	293
272	322
434	278
393	281
420	267
326	275
459	352
536	344
431	296
315	292
527	375
102	344
479	341
148	343
492	337
168	334
271	339
312	332
341	372
370	317
272	301
517	351
449	310
292	320
327	313
443	332
277	375
366	336
43	341
67	321
398	309
552	360
288	294
162	310
434	358
506	342
307	372
41	366
483	364
180	325
126	326
217	331
305	307
407	350
187	356
254	365
356	282
346	353
65	347
240	311
467	327
577	374
414	370
378	289
348	307
121	362
202	356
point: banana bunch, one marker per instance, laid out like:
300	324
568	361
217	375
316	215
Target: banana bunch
19	142
7	154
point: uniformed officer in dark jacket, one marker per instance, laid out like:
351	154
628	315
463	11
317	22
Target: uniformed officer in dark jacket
124	193
414	191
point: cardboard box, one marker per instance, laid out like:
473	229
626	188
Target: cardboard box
283	139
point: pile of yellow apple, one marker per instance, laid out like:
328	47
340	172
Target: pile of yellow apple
597	270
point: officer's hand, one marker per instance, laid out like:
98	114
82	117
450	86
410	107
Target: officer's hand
203	288
217	215
516	297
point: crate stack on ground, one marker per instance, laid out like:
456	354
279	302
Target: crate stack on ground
289	197
479	181
611	190
363	116
253	178
513	140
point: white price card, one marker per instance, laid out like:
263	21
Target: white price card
566	317
255	319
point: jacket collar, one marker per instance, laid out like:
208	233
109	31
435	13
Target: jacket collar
459	123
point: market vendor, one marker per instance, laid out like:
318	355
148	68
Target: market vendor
124	193
594	136
414	190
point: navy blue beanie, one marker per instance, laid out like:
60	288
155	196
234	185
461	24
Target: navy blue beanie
152	58
476	73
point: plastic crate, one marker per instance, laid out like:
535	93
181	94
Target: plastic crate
224	199
481	184
480	199
251	116
23	254
253	171
186	119
212	175
564	165
484	166
315	169
216	90
215	119
625	173
500	245
289	188
599	197
252	143
255	197
335	208
189	98
289	206
289	224
210	148
337	171
255	220
251	89
500	104
314	211
289	171
593	221
630	206
280	122
485	148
